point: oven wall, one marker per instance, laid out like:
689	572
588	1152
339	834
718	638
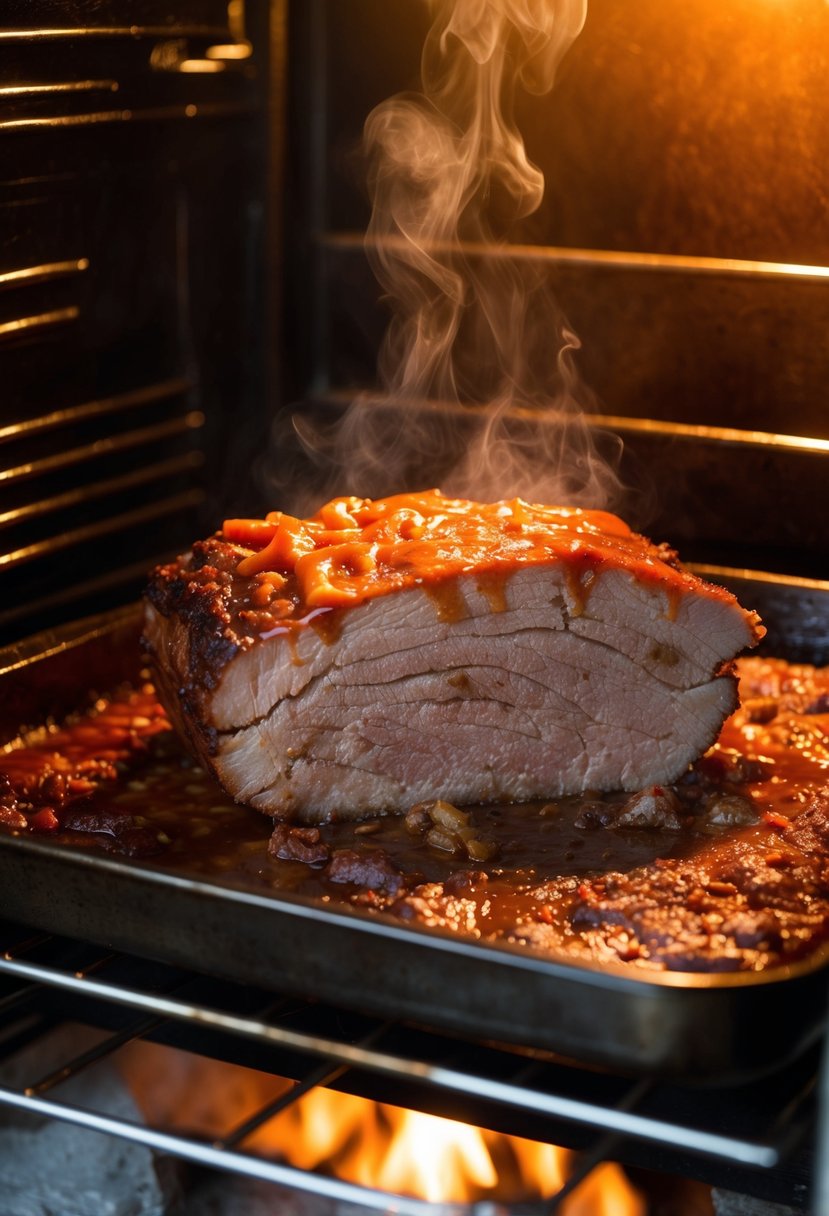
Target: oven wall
686	152
133	300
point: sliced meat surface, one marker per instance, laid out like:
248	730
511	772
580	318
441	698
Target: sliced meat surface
523	681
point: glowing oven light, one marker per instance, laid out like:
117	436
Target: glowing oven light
201	65
230	50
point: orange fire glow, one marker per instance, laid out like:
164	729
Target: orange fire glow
368	1143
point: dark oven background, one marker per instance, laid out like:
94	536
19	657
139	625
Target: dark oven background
181	262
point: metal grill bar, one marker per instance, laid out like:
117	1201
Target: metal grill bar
147	395
99	1052
732	436
684	264
759	576
686	432
602	1150
321	1076
28	943
95	965
238	1163
621	1120
151	114
120	31
104	447
43	320
69	86
117	523
49	270
201	1015
100	489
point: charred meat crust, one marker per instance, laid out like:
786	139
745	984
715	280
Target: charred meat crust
183	703
197	588
201	595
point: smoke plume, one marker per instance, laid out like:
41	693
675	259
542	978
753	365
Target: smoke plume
475	330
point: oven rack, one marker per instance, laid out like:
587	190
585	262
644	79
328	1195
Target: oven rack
46	980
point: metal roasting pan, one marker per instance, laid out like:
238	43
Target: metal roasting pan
692	1026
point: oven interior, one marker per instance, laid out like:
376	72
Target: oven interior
184	273
183	277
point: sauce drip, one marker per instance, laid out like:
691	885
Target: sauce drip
494	589
450	605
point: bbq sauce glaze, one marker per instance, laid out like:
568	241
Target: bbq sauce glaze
729	872
259	578
354	549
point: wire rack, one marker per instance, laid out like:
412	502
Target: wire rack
745	1136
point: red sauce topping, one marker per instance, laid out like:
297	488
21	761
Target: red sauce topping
355	549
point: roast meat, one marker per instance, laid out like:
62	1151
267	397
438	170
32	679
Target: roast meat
586	659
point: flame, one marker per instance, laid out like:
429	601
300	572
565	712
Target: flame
420	1160
364	1142
440	1160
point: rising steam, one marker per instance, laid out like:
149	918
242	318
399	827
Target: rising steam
473	327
